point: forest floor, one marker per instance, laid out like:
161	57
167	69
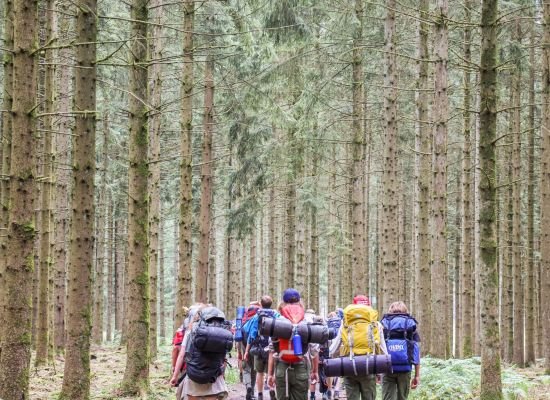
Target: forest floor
452	379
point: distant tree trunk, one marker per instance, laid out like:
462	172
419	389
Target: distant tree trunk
530	331
314	278
63	176
333	272
44	337
230	269
162	284
155	123
21	231
508	275
466	326
99	298
119	275
290	225
184	294
545	186
301	268
519	310
5	162
212	266
359	270
253	293
389	238
205	218
272	255
76	377
454	290
110	269
440	323
136	375
491	385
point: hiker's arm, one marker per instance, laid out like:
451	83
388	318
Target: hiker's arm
335	344
246	351
382	339
179	364
175	353
416	380
314	369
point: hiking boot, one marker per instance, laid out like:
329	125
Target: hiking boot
249	393
336	395
260	396
272	395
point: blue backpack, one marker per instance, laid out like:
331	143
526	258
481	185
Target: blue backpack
402	341
260	342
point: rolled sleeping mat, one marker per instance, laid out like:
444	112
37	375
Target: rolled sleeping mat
313	333
213	339
276	327
358	365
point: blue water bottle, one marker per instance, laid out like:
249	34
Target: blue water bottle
239	324
297	343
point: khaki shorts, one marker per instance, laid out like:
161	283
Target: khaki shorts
260	365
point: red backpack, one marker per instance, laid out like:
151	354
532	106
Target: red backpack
294	313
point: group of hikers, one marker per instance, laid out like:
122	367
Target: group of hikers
291	351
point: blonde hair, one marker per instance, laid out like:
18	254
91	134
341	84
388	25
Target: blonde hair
398	307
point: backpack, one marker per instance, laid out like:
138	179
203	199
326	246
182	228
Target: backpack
248	315
295	314
360	334
206	349
401	340
259	344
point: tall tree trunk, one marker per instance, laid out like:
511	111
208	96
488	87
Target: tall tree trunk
530	331
545	185
508	275
253	294
63	176
44	337
212	265
110	269
272	255
389	242
491	385
314	276
440	320
467	224
205	218
519	311
290	225
21	231
119	273
76	378
5	162
155	122
99	297
136	375
357	173
162	283
184	288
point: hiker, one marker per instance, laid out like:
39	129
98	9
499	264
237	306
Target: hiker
257	345
403	343
204	350
328	385
246	366
292	366
360	334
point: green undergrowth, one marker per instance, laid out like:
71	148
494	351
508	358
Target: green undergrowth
460	379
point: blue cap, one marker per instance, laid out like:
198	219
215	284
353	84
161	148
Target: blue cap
340	313
291	296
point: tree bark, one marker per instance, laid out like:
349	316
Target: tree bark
76	378
185	289
110	269
162	283
136	375
467	224
21	231
357	173
389	238
440	319
155	123
44	336
545	184
530	331
205	217
491	385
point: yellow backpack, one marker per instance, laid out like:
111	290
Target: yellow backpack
360	333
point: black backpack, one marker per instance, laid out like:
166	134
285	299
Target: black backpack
259	344
211	339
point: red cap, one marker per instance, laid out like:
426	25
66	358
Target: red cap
361	299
